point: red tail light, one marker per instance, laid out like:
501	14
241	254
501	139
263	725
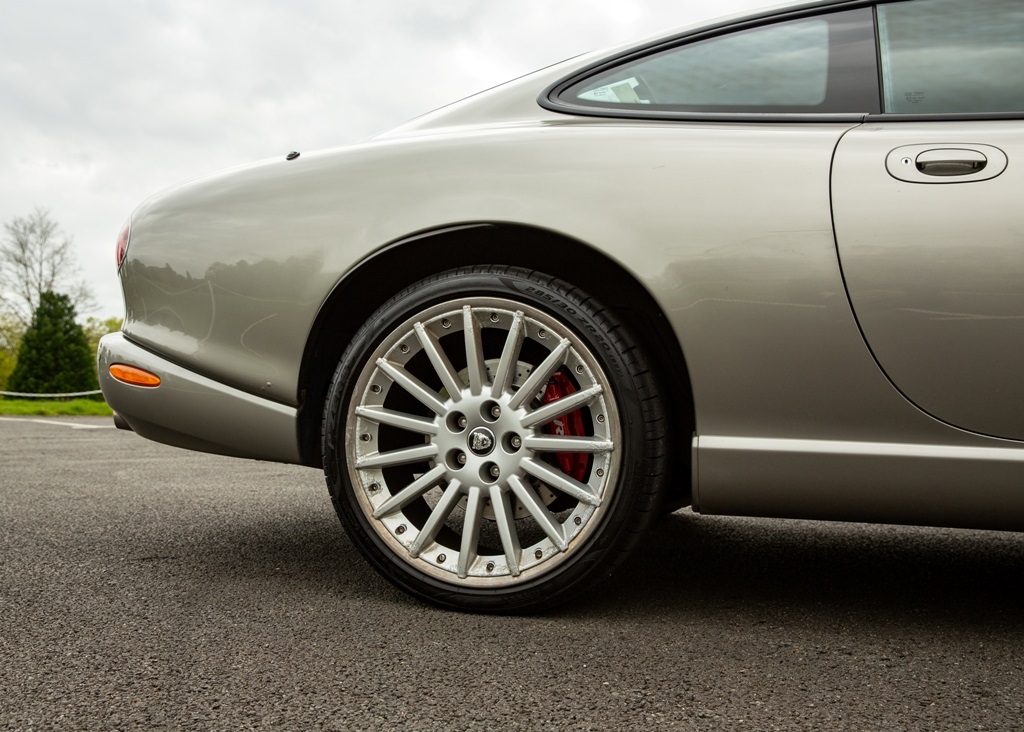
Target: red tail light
122	242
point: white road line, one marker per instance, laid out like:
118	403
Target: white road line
72	425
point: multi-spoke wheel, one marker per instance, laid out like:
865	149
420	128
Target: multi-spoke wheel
492	440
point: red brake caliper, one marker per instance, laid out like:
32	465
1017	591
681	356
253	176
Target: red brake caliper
573	464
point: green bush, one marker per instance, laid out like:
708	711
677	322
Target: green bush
7	361
11	331
54	357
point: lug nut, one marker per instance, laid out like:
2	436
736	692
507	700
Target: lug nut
495	411
461	458
516	441
494	471
463	421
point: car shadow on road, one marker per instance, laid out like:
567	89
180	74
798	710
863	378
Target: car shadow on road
695	564
688	565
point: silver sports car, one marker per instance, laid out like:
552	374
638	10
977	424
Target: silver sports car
772	266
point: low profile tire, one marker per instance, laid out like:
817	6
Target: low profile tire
493	440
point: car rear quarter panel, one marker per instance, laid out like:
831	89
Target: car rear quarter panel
729	226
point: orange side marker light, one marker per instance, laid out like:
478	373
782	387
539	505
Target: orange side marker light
133	375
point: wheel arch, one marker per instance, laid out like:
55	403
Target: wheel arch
357	295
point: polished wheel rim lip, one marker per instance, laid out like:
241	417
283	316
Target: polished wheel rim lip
471	488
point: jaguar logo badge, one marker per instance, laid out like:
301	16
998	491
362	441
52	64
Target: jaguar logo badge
481	441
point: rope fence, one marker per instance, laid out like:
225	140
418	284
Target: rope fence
70	395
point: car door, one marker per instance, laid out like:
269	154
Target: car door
929	221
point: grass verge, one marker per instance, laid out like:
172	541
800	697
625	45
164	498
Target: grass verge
53	408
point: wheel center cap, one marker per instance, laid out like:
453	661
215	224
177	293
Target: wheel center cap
481	441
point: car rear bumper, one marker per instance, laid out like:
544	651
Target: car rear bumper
195	412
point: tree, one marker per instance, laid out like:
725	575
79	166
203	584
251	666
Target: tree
37	257
95	329
54	357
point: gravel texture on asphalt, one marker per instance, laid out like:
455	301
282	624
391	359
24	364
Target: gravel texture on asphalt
144	587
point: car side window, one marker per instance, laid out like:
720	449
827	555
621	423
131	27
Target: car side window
798	65
952	56
782	64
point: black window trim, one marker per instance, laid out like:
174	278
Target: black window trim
944	117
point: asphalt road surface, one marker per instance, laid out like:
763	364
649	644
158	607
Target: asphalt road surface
144	587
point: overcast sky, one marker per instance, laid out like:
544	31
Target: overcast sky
104	103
